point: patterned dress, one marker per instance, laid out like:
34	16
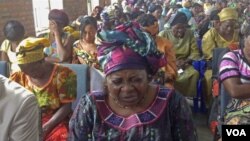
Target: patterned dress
234	64
168	118
59	90
51	51
81	56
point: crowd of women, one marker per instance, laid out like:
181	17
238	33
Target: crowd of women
146	50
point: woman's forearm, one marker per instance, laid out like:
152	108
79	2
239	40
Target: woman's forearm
63	49
236	89
4	56
59	116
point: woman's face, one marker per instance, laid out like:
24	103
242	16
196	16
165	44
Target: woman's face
33	70
128	86
88	34
228	26
179	30
157	13
53	26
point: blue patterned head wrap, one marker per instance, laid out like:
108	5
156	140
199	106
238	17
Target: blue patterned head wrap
126	47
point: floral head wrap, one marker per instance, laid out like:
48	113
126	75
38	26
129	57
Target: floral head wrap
128	47
31	50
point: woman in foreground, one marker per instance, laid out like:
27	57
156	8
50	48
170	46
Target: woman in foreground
130	107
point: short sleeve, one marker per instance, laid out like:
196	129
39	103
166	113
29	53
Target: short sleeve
5	46
66	84
18	77
229	66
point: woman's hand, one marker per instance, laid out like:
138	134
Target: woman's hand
53	27
63	112
182	64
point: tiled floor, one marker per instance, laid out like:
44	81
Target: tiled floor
203	131
202	128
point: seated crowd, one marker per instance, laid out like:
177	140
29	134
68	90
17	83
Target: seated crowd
145	50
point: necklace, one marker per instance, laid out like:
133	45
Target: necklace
126	107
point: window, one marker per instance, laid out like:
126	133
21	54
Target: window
41	10
91	5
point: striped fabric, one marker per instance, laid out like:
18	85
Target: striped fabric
234	64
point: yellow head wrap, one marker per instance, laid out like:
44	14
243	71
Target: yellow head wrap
228	14
186	4
31	50
68	29
207	6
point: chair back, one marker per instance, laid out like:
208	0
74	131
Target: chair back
96	79
217	55
223	97
4	68
81	71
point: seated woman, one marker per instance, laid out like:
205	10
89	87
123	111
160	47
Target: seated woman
85	50
222	36
186	50
234	75
61	42
168	74
130	107
14	33
156	10
53	85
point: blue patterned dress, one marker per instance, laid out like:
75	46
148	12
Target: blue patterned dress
168	118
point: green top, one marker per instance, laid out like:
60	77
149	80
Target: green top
186	47
212	39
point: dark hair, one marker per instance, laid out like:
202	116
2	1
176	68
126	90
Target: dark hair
13	30
146	20
153	7
59	16
178	6
214	15
179	18
196	5
89	20
100	9
135	14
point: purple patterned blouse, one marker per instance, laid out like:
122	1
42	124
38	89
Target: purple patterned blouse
168	118
234	64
